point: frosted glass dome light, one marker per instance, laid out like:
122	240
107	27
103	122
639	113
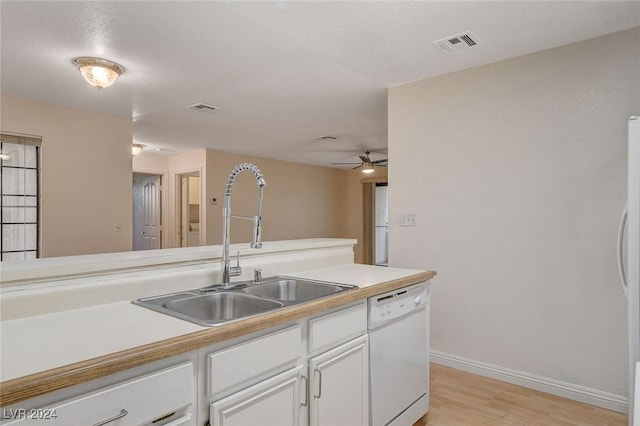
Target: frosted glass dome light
99	73
136	149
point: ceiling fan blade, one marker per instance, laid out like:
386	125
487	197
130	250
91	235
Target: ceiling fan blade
366	159
356	167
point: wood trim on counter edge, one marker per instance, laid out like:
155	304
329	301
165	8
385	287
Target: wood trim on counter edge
23	388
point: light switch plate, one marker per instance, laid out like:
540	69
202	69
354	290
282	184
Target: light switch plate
408	219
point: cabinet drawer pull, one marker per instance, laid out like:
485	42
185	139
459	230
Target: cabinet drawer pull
306	391
122	413
319	383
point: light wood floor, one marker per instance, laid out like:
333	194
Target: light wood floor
458	398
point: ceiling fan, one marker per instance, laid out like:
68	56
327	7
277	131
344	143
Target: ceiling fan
367	164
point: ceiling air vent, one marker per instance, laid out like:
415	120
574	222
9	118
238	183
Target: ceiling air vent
457	42
202	107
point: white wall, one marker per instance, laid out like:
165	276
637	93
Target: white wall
516	171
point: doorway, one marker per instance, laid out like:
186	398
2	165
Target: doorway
147	207
381	224
189	209
375	233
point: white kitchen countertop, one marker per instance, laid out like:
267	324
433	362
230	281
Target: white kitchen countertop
43	342
39	343
38	269
356	274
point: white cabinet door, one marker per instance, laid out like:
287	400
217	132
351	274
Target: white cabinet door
339	385
273	402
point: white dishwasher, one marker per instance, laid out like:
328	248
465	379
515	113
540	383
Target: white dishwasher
398	355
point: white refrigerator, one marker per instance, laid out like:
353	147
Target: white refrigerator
629	262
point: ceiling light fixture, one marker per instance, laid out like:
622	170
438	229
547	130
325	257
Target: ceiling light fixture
136	149
99	73
367	167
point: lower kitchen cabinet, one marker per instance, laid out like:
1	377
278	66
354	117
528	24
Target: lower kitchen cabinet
273	402
339	385
160	398
312	373
335	394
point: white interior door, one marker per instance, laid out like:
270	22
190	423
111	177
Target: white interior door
147	225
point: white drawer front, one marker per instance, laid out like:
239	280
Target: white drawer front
337	327
134	402
239	363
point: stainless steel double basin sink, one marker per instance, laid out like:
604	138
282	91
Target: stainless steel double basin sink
217	305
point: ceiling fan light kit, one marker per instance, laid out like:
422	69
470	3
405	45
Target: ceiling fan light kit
368	165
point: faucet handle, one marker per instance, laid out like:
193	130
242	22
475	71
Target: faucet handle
257	275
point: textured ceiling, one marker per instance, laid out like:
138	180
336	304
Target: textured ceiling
281	73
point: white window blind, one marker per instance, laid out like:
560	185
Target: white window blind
19	197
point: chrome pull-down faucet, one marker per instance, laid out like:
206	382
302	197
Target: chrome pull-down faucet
227	271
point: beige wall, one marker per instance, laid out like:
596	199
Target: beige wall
148	162
300	201
86	175
87	185
516	171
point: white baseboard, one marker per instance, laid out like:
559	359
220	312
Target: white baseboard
590	396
